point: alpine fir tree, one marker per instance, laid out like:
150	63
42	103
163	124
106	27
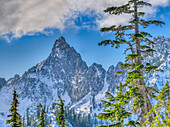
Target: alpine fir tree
117	112
42	117
60	118
15	120
139	45
162	109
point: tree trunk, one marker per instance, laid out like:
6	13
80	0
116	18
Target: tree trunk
141	83
62	124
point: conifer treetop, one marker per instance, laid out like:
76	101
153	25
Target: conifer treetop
15	120
60	116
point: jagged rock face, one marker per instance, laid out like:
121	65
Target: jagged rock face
66	68
162	44
95	78
13	80
65	73
162	48
111	77
2	82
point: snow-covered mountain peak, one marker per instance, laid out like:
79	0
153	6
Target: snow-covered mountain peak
59	46
62	50
60	42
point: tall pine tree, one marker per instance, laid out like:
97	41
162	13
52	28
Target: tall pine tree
139	47
15	120
60	118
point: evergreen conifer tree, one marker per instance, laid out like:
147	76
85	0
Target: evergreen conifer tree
15	120
162	109
139	47
117	112
60	118
42	117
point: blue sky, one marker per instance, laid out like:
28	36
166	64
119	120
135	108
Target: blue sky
27	34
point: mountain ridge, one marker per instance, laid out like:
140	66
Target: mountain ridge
64	73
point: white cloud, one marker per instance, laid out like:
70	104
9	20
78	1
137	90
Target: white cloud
26	17
159	2
21	17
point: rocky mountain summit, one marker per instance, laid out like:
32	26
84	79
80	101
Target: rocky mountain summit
64	73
